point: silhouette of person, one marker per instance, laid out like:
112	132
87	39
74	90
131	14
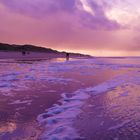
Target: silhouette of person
23	52
67	56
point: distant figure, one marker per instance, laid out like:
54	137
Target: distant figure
67	56
23	52
23	49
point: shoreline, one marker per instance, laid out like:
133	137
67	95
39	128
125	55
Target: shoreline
31	55
35	56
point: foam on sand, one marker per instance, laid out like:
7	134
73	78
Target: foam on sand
59	119
28	102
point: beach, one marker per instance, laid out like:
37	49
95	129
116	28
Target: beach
69	70
28	55
55	99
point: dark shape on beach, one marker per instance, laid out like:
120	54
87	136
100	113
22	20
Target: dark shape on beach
67	56
28	49
23	52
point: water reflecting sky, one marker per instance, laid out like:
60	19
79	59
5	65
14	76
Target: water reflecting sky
28	88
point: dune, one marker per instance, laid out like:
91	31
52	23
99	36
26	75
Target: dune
31	52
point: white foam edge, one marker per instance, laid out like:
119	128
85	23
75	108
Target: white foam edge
60	118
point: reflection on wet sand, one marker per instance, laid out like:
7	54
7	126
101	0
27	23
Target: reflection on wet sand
28	89
8	127
13	131
112	115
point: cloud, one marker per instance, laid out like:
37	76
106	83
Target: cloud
39	8
99	20
46	8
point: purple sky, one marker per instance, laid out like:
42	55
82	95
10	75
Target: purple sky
98	27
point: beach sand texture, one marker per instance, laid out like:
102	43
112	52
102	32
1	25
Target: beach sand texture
86	99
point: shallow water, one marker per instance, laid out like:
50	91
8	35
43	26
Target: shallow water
67	95
72	119
112	115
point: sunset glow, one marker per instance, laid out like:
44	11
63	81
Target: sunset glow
96	27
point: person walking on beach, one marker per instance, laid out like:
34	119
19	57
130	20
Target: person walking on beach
67	56
23	53
23	50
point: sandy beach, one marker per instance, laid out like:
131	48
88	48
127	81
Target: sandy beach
28	55
31	56
77	99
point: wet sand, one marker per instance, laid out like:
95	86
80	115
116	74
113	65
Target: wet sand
39	95
113	115
29	89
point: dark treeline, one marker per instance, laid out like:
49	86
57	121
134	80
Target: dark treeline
8	47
